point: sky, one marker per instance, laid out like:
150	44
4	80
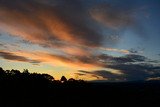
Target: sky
110	40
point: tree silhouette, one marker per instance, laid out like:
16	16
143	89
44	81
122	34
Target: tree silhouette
48	77
63	79
1	71
71	80
25	71
15	72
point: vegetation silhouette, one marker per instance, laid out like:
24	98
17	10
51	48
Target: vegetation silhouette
25	89
63	79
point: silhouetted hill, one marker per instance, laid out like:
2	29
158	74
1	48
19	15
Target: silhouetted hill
24	89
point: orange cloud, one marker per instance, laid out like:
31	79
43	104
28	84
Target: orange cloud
48	26
40	23
14	57
115	50
58	60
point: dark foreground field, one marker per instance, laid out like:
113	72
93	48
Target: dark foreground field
37	94
37	90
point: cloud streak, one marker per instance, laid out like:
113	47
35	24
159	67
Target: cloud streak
102	75
14	57
47	24
115	50
112	16
128	67
50	23
52	59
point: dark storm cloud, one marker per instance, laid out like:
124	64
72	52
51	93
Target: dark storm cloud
85	73
130	72
101	74
130	58
133	51
138	71
136	50
132	67
135	58
104	60
13	57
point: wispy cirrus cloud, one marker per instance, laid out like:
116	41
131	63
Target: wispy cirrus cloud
111	16
13	57
52	24
102	75
116	50
52	59
47	24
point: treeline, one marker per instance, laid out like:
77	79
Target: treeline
25	89
25	75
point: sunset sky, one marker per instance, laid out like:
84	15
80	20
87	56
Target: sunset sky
113	40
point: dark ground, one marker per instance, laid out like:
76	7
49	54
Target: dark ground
41	90
38	94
